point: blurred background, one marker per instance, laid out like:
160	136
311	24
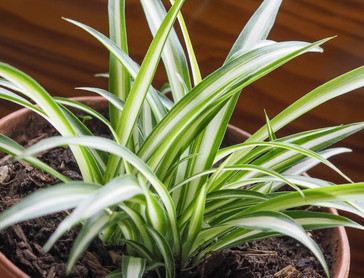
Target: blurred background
35	39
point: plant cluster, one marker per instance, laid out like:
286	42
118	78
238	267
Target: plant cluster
156	185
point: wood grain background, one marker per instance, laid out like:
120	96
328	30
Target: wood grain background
34	38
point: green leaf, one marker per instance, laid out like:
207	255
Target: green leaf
210	140
253	34
280	159
333	193
195	224
10	96
88	233
154	100
140	248
184	139
267	163
313	220
46	201
138	92
287	146
258	27
205	145
141	229
132	267
222	237
308	163
271	221
116	191
165	251
115	102
53	111
189	108
34	90
308	219
155	213
89	111
11	147
173	55
333	88
258	169
145	75
222	194
271	133
111	98
112	147
119	77
229	79
220	199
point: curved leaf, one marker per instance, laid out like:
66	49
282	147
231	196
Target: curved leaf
112	147
275	222
11	147
52	199
117	190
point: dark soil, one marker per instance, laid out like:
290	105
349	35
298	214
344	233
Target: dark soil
22	243
279	257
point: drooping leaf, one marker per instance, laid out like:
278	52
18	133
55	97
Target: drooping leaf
116	191
9	146
52	199
112	147
271	221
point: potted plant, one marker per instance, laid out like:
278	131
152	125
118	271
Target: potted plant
161	185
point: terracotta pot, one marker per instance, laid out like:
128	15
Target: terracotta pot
15	126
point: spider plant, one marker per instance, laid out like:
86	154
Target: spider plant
156	186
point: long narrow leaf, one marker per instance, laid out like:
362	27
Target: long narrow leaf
191	54
52	199
258	27
173	56
112	147
119	77
89	111
152	97
243	70
10	96
138	92
133	267
288	146
165	251
88	233
343	192
315	140
333	88
209	141
195	224
116	191
308	219
313	220
270	221
144	78
140	225
9	146
57	118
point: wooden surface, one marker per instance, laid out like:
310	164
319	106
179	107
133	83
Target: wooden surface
34	38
